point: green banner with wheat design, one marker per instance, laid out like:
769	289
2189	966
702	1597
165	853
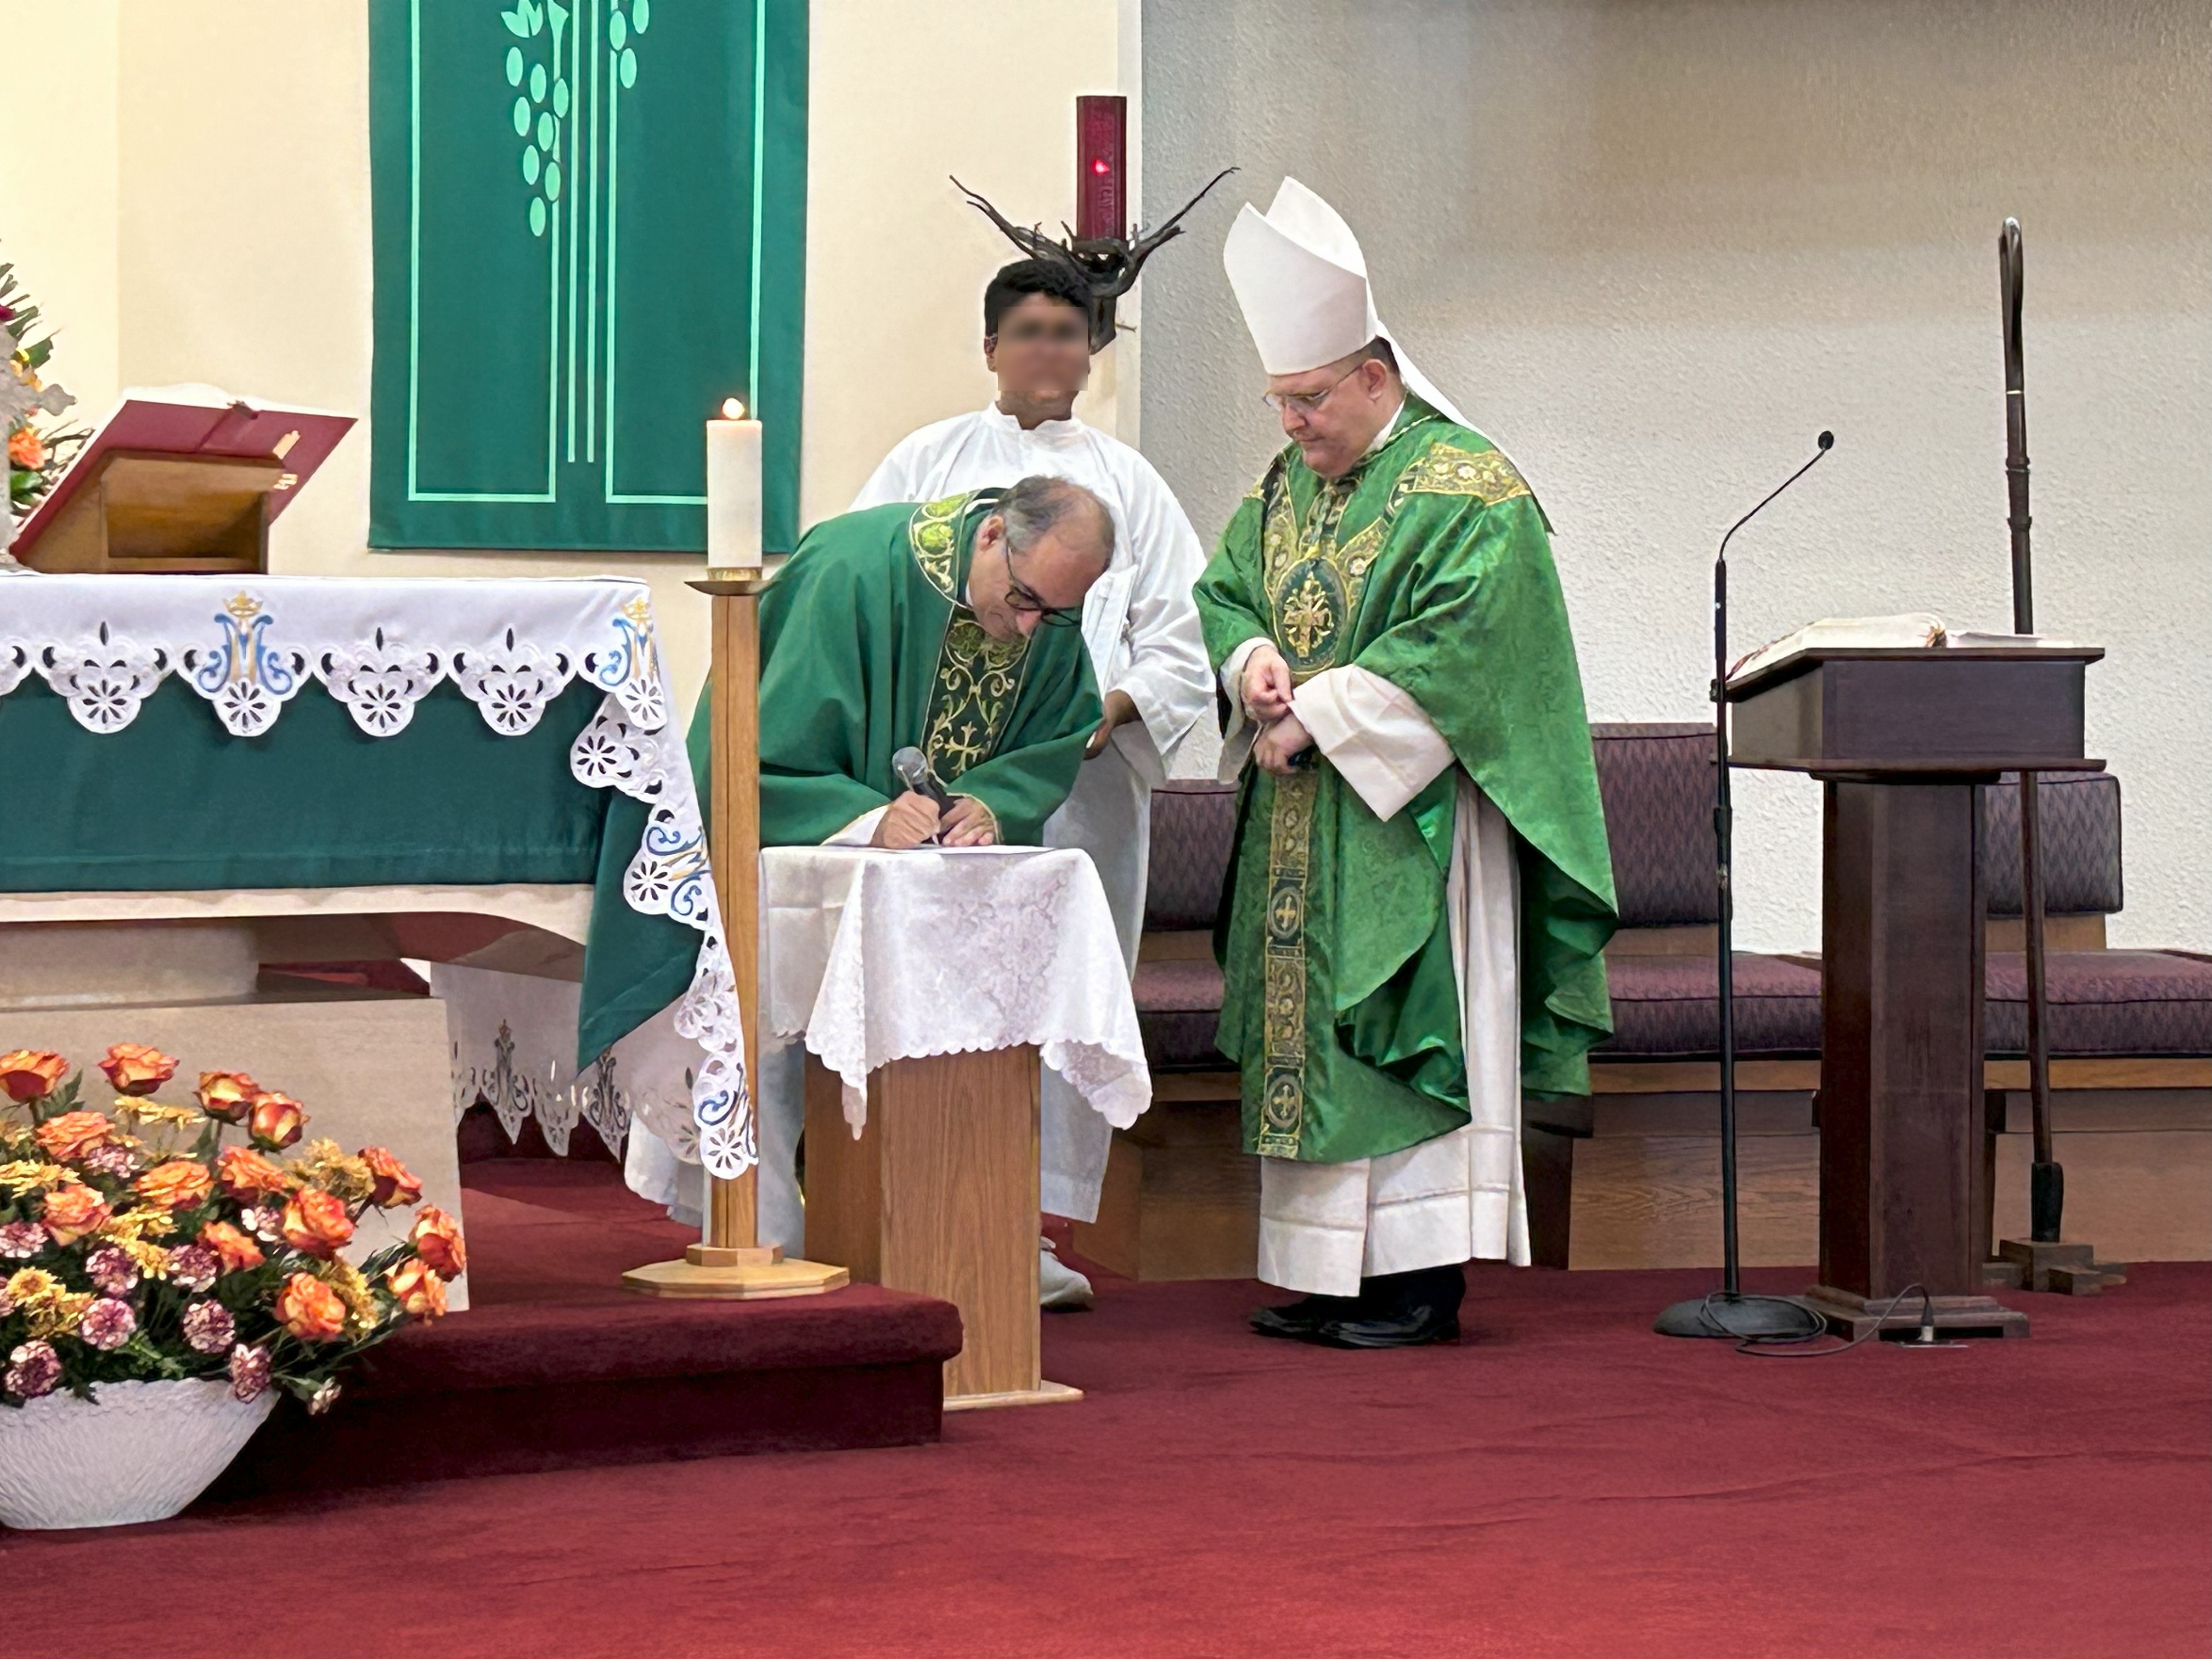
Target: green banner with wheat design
590	229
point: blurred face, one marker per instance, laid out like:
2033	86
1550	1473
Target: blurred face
1042	586
1333	413
1042	348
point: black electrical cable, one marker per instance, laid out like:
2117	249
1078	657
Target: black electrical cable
1784	1347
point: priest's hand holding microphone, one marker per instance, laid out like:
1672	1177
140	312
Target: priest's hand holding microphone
925	813
1266	688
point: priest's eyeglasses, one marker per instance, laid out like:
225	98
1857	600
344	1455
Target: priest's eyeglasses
1308	402
1024	599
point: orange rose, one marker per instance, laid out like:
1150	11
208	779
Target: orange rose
310	1309
29	1074
226	1096
316	1222
247	1176
72	1211
236	1251
71	1135
274	1120
27	449
395	1183
437	1239
418	1289
177	1185
135	1069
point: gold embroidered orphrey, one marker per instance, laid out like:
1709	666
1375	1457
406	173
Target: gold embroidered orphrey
1283	1085
978	678
1313	585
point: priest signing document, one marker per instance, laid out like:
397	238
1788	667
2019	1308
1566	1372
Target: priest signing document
1138	624
1421	889
946	626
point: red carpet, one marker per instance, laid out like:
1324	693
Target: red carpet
1562	1484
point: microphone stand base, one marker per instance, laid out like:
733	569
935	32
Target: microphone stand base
1736	1318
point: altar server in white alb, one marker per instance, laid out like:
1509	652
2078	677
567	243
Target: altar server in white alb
1138	623
1421	889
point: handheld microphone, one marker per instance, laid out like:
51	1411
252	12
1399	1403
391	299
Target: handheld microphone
914	771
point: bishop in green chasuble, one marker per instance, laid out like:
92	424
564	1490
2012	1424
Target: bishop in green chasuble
1421	889
1428	566
869	644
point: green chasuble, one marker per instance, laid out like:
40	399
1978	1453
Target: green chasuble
867	647
1429	565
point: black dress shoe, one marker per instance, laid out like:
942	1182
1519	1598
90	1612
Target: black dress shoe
1402	1310
1301	1321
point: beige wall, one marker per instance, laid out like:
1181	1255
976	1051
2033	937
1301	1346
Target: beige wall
1653	247
208	219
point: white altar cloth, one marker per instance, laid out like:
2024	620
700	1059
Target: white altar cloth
868	957
871	956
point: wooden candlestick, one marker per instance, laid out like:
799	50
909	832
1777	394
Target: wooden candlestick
730	1261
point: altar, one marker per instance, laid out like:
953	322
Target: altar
207	775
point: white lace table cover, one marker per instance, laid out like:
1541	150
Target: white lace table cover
870	957
248	643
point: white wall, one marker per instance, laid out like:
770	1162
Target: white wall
1652	246
201	213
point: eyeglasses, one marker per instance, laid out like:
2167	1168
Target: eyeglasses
1023	599
1307	403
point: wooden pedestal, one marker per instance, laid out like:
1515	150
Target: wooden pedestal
1901	1054
939	1195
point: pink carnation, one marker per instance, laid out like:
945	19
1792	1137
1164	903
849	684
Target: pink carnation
194	1268
107	1323
108	1159
32	1370
21	1240
208	1327
111	1270
249	1372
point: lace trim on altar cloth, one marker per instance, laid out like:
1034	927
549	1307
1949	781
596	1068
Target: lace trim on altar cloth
247	644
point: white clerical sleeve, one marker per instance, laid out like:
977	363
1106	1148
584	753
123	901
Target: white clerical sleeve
1373	733
897	477
1166	677
861	832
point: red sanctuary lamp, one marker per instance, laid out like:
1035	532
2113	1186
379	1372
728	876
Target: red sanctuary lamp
1102	148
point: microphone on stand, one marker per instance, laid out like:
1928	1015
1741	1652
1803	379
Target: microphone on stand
1729	1312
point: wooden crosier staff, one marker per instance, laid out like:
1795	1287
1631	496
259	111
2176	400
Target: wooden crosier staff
730	1261
2045	1263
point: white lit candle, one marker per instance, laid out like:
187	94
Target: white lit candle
733	490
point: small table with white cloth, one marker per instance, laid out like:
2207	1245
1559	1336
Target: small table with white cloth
906	998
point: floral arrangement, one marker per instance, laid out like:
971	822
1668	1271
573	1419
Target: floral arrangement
136	1247
36	454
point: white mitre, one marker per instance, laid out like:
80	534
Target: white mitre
1302	280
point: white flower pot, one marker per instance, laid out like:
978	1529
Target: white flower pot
140	1453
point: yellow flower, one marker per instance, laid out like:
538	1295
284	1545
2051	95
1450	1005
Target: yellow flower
153	1111
325	1163
133	1225
361	1310
47	1308
151	1260
29	1175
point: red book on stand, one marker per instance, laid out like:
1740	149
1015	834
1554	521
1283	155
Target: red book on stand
193	422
